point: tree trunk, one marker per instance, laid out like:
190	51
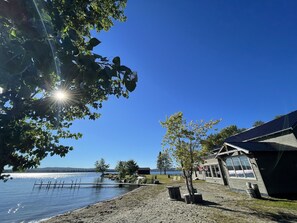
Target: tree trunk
187	183
191	186
190	172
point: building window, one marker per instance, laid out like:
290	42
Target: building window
230	167
239	166
212	171
216	171
207	171
249	173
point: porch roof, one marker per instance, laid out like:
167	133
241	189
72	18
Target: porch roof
249	147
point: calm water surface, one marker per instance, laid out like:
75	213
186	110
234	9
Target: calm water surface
20	202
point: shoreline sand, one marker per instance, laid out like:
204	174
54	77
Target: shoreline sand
151	204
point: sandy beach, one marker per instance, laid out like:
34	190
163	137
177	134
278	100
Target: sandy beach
152	204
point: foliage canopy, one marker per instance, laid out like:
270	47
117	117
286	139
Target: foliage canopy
217	139
101	166
126	168
164	161
47	46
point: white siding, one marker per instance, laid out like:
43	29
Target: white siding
288	139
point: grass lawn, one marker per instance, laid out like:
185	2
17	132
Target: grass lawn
163	179
266	204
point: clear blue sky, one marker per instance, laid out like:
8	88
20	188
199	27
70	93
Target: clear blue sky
235	60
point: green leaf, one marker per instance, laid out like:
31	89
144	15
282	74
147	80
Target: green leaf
130	85
13	33
72	34
126	69
94	42
117	61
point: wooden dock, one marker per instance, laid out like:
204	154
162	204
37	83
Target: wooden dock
76	184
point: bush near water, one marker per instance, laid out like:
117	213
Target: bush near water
147	179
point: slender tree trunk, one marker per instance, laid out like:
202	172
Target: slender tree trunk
190	172
191	186
187	181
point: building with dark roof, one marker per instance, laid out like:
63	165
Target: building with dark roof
144	171
265	155
284	125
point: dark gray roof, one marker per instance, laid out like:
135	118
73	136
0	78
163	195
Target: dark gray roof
263	146
285	122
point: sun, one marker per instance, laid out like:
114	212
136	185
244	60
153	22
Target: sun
61	95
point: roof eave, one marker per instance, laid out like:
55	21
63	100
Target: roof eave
290	129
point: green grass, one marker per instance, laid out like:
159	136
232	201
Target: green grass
277	210
163	179
270	203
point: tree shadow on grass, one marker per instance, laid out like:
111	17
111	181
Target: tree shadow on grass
209	203
277	217
276	199
219	206
281	217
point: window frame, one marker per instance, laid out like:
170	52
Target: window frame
210	170
242	169
207	170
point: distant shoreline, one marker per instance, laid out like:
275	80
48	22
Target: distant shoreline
71	169
55	170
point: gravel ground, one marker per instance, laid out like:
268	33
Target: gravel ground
151	204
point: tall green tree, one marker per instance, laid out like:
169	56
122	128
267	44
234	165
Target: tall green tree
131	167
278	116
121	168
46	46
258	123
160	162
184	141
101	166
215	140
164	162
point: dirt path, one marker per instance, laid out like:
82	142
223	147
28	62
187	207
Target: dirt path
151	204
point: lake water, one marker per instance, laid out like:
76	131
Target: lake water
20	202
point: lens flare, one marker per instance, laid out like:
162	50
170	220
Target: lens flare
60	95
